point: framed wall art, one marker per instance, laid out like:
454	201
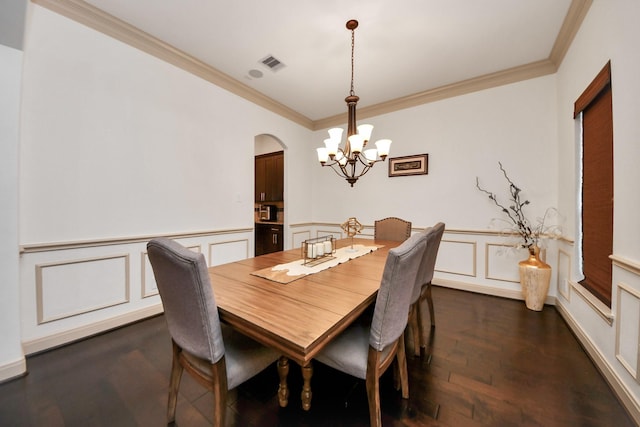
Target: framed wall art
409	165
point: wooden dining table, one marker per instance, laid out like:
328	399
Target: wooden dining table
298	318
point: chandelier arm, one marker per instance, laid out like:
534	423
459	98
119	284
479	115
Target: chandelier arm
333	168
364	171
366	164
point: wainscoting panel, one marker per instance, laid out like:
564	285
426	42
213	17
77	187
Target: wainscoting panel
71	290
502	262
457	257
335	233
228	251
564	274
298	237
628	328
95	283
148	281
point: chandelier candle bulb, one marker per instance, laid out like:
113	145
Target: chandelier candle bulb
332	146
383	146
357	143
341	159
365	131
371	155
335	134
323	156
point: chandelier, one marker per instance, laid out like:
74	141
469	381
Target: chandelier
355	159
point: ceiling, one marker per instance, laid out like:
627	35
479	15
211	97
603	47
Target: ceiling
402	47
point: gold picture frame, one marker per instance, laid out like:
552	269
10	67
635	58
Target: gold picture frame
417	164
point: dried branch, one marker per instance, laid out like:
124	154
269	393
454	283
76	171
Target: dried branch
515	212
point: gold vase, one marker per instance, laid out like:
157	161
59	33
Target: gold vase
535	276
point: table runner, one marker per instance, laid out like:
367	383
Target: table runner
287	273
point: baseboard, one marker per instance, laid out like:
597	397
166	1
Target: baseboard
55	340
487	290
621	392
12	370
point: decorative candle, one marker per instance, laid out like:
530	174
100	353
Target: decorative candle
328	249
319	249
311	250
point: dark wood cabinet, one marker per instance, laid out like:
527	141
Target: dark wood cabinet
268	238
269	177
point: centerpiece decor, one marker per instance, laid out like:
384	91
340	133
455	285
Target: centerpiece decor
352	227
318	250
535	274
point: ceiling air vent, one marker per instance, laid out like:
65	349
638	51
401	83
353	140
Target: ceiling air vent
272	63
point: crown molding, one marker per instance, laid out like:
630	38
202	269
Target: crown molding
487	81
572	21
86	14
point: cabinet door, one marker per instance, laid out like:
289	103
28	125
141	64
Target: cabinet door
268	239
269	177
275	239
277	178
262	237
260	183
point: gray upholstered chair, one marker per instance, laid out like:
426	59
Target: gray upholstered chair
392	228
218	357
364	350
422	290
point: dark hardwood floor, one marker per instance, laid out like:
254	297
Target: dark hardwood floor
490	362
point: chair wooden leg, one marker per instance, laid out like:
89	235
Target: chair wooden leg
373	388
174	384
401	358
219	392
425	294
430	302
416	329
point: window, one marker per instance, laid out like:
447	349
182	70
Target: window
594	108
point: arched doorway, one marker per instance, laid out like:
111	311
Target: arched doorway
269	190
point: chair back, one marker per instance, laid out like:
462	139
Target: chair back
428	264
394	296
189	305
392	228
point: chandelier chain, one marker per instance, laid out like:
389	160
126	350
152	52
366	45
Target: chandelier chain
353	37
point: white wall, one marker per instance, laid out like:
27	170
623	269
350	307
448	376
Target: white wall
465	137
118	143
609	32
12	360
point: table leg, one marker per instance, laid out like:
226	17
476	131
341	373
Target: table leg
305	396
283	389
